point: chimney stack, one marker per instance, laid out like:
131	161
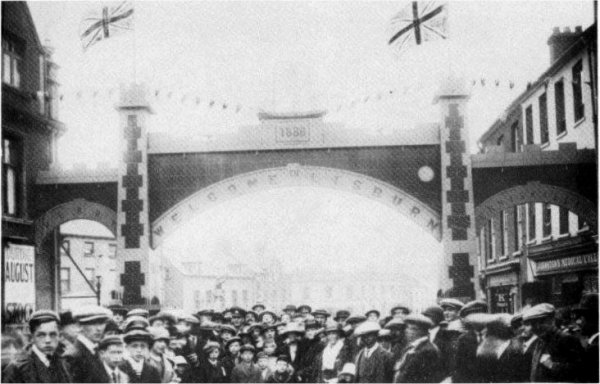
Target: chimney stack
559	41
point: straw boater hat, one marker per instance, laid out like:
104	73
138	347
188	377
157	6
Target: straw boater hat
354	319
419	320
293	328
138	312
451	303
91	314
366	328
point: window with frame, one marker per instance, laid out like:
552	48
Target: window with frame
503	233
112	251
12	52
581	223
482	245
529	125
546	220
500	140
559	106
531	221
515	143
490	240
563	220
11	176
88	249
65	280
577	81
543	107
518	224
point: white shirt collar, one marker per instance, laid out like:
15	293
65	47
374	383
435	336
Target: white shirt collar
369	351
87	342
502	348
433	333
42	356
136	365
417	342
528	343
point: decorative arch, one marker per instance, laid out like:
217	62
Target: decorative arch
294	175
79	209
536	192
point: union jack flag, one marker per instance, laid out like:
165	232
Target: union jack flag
421	21
110	22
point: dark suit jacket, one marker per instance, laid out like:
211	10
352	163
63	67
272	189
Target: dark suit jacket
566	354
243	373
465	367
149	374
85	366
447	342
420	364
30	369
378	368
208	373
508	368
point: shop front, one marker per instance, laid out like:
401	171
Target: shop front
567	271
502	283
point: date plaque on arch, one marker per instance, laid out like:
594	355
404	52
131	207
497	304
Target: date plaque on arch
293	133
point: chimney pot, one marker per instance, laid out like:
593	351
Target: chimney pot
578	29
555	30
567	29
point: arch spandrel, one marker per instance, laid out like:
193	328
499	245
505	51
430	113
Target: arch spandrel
536	192
295	175
79	209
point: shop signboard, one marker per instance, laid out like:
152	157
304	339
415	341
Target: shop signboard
19	282
566	263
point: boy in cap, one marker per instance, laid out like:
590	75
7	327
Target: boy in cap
283	372
232	355
262	360
83	362
110	350
373	363
420	362
41	364
246	371
558	356
137	367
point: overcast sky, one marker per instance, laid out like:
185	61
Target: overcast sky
295	55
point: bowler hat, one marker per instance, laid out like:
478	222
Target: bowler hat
343	314
395	324
372	311
539	311
108	341
588	305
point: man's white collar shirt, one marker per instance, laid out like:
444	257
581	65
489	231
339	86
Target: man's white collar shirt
369	351
417	342
433	333
137	366
503	348
117	373
87	342
42	356
528	343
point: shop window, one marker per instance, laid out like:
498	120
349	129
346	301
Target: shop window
559	105
543	107
65	280
503	233
88	249
577	80
515	143
11	175
12	52
547	220
518	226
531	222
563	215
529	125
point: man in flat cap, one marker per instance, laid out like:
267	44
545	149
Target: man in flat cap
373	363
137	367
321	316
84	364
41	364
420	362
463	366
158	357
231	356
558	356
111	352
400	311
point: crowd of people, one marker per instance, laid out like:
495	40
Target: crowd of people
447	342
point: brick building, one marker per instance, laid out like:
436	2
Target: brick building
29	133
542	251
